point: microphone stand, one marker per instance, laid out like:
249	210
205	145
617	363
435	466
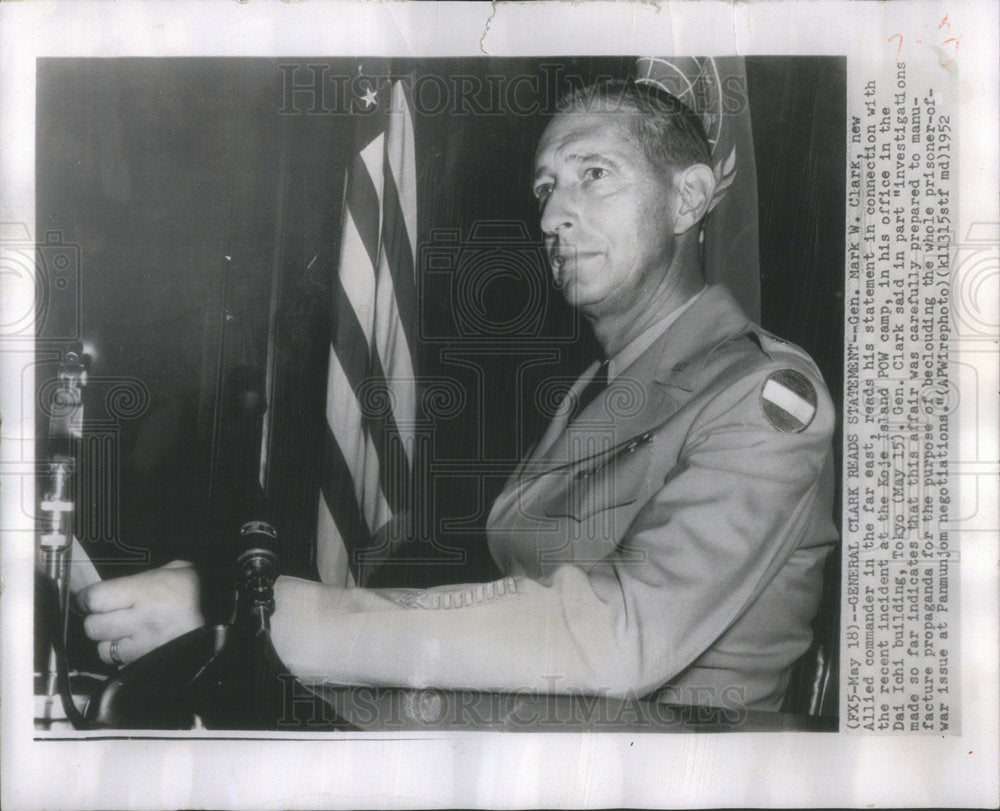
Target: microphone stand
56	541
225	675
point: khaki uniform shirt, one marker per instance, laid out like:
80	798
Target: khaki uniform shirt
669	540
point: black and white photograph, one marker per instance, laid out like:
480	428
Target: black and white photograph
482	378
376	404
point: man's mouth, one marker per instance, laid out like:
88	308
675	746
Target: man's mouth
562	258
558	263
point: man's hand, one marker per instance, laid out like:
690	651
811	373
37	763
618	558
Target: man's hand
129	616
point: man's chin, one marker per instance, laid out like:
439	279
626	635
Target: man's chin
574	296
568	289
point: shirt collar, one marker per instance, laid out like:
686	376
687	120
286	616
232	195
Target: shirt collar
645	339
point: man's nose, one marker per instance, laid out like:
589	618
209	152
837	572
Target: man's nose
558	213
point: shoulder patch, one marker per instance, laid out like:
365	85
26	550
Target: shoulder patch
788	400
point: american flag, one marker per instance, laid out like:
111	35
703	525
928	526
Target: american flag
371	403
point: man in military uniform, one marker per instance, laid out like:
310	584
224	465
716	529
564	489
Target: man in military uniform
667	534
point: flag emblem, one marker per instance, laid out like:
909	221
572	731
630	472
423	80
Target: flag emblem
715	88
788	400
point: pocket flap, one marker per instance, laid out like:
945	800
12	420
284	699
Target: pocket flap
612	479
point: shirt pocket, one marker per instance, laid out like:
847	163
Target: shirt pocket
615	479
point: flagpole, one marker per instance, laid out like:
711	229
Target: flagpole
263	474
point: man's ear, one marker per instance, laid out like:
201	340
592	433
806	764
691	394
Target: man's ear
695	187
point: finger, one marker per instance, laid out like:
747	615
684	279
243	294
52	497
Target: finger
108	595
82	572
126	652
110	625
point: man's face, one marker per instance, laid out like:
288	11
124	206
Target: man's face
607	214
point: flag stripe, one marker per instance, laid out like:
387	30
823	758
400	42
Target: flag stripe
355	285
363	206
382	429
390	342
350	341
365	377
397	288
346	420
373	156
400	259
402	158
331	558
335	484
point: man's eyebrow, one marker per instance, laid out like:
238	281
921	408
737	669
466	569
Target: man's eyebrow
576	157
541	171
589	157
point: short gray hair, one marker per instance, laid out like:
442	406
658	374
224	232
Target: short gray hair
670	134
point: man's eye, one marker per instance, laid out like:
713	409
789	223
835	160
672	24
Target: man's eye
594	173
543	190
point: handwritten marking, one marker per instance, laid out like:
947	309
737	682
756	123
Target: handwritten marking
945	24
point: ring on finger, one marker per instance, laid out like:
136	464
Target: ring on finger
114	653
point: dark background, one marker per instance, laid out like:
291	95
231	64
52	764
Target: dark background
199	192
